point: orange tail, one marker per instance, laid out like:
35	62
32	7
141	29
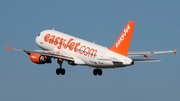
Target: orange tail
122	44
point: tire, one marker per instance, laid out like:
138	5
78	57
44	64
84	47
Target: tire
99	72
95	72
58	71
63	71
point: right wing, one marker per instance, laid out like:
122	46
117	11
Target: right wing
55	54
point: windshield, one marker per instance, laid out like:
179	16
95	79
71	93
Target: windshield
39	34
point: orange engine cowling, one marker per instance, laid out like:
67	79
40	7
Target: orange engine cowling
38	58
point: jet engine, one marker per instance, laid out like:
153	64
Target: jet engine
39	59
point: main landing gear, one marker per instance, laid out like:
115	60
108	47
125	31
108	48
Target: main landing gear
97	71
60	70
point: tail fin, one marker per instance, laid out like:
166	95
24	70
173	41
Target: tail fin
122	43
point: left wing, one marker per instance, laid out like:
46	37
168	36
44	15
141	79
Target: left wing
146	60
147	54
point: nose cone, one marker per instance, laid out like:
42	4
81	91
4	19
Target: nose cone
36	40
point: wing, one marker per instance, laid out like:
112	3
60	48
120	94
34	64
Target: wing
135	60
56	54
147	54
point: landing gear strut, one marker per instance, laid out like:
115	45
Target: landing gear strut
97	71
60	70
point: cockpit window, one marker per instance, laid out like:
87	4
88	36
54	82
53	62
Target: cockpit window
39	34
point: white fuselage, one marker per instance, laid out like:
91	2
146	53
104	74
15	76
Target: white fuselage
83	52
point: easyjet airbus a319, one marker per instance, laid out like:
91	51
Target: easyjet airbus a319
76	51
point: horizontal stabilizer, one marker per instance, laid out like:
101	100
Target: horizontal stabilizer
146	60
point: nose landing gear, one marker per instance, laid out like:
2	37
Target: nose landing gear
60	70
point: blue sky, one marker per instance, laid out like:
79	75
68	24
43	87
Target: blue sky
157	28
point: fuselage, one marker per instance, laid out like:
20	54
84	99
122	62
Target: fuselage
83	52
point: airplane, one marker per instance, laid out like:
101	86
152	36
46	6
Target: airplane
76	51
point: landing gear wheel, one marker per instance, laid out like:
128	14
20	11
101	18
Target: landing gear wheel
58	71
97	71
63	71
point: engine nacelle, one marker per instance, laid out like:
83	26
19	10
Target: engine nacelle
39	59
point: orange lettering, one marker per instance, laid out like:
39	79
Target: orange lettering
77	44
92	53
57	40
86	51
81	50
46	38
62	40
51	40
71	46
66	45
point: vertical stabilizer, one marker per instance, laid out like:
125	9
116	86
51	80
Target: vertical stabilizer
122	43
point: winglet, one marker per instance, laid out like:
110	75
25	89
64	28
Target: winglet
175	51
8	48
122	43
